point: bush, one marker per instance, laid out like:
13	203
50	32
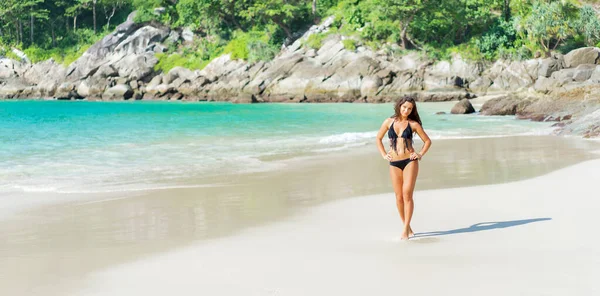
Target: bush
11	55
500	34
251	46
69	49
315	41
167	62
36	54
238	46
349	44
260	51
514	53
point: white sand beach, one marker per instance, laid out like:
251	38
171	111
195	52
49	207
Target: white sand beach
531	237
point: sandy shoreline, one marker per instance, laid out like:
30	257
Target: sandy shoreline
531	237
54	249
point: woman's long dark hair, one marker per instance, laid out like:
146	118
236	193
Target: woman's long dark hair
414	114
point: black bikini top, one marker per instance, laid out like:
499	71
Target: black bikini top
407	134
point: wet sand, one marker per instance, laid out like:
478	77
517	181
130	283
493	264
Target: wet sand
518	238
53	249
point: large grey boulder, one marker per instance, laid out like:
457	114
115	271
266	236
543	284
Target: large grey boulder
11	88
370	85
287	85
92	87
47	88
551	65
583	72
106	71
402	83
128	49
178	72
221	66
596	75
136	67
585	55
513	76
10	68
192	89
545	85
66	90
45	71
563	76
464	106
505	105
431	82
457	67
118	92
332	46
480	85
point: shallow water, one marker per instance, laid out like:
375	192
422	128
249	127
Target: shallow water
90	147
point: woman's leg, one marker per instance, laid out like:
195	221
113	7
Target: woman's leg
396	175
410	178
397	180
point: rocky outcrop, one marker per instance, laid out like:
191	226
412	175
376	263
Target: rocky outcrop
580	56
463	107
505	105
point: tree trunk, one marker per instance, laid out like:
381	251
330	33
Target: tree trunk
406	43
237	24
20	31
506	10
108	17
17	31
53	34
74	23
314	8
31	29
285	29
94	13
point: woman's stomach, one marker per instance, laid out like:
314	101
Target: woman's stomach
400	153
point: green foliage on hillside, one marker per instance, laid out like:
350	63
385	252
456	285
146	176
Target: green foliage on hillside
254	30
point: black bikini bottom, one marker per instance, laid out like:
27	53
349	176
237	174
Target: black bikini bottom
401	164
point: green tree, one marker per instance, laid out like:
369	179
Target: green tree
17	12
110	7
401	11
279	12
550	24
209	15
588	25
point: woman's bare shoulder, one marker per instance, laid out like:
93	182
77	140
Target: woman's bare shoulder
414	124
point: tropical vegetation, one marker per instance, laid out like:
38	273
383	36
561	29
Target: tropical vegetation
256	29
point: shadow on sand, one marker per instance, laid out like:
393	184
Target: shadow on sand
480	227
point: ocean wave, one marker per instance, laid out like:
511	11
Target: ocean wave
107	189
347	138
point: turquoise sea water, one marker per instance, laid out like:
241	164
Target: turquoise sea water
58	146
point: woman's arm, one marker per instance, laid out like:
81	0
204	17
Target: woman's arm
426	140
382	130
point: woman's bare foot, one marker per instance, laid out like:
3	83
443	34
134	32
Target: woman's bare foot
405	235
411	233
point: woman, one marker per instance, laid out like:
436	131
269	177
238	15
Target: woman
404	165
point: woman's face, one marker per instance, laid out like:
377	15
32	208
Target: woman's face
406	109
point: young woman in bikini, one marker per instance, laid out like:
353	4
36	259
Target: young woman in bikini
404	161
